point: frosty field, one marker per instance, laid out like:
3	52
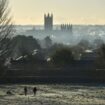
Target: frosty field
53	95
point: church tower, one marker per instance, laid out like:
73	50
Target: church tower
48	22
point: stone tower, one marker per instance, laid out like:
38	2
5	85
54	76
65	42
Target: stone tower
48	22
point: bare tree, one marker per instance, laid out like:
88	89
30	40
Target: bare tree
6	32
6	27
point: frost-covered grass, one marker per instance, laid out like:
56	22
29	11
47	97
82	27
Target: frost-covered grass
53	95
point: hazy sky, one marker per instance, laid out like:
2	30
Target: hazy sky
64	11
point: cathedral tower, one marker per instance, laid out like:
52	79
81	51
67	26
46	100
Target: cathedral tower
48	22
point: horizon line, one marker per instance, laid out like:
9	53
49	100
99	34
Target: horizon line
59	24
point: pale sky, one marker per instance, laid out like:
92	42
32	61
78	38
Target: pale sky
64	11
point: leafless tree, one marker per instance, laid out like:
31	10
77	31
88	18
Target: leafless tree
6	32
6	27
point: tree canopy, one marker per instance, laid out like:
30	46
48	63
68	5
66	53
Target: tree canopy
62	56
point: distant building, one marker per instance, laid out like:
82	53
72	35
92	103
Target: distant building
48	22
89	55
48	30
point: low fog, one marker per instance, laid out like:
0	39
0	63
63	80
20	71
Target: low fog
91	33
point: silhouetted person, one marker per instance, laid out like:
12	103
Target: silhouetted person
34	90
25	90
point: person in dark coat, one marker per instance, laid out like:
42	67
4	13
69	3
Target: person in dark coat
25	90
34	90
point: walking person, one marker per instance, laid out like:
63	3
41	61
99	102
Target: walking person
25	90
34	90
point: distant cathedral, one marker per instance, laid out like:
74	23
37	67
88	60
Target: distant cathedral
64	29
48	22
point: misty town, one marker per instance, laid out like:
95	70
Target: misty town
32	59
55	58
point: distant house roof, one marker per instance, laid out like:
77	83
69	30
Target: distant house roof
88	51
19	58
89	55
35	52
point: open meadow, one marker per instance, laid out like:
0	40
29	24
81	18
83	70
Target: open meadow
53	95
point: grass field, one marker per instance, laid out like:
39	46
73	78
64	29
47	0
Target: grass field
53	95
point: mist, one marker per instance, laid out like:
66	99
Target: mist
79	32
